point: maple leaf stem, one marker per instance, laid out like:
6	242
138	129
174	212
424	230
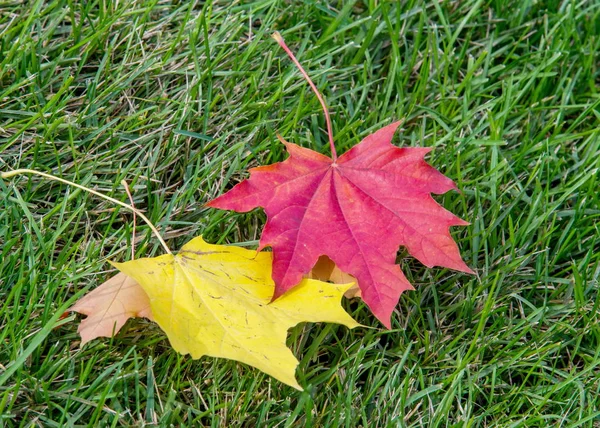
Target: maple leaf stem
287	50
134	210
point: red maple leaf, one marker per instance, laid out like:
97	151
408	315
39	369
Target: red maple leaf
357	209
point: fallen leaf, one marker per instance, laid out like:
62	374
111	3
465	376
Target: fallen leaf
326	270
214	300
109	306
357	210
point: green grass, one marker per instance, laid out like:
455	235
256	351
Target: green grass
180	98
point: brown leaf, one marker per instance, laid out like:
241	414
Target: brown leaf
326	270
109	306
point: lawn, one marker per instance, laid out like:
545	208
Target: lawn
181	98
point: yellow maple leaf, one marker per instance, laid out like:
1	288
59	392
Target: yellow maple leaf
109	306
215	300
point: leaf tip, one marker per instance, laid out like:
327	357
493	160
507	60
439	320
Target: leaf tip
396	124
282	140
294	384
468	270
277	294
